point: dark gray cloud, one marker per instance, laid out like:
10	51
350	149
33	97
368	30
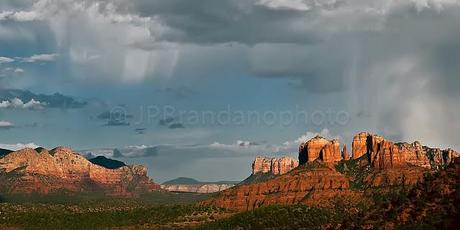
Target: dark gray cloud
176	126
115	122
394	61
140	130
135	152
114	115
242	21
171	123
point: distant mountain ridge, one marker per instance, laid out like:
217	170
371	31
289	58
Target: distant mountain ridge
187	180
4	152
182	180
107	163
190	185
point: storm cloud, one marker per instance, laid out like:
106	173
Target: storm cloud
392	66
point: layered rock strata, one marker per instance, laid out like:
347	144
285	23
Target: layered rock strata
273	165
320	148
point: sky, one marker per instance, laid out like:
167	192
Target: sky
198	88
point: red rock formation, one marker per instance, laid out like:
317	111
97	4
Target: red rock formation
331	152
409	175
383	154
275	165
359	145
61	168
319	148
296	186
316	182
439	158
414	154
345	154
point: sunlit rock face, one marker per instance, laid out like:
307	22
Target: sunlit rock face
273	165
382	153
46	171
319	148
359	145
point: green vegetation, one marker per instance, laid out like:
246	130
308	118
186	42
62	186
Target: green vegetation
64	197
353	169
36	216
282	217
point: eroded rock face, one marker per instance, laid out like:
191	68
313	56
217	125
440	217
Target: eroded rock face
273	165
383	154
359	145
331	152
320	148
45	171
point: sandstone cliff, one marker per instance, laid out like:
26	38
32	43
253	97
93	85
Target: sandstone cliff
273	165
320	148
44	171
383	154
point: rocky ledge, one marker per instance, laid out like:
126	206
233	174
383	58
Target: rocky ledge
61	169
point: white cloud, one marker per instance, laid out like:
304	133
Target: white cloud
9	70
20	16
309	135
6	60
19	70
6	125
300	5
292	146
40	58
18	146
17	103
